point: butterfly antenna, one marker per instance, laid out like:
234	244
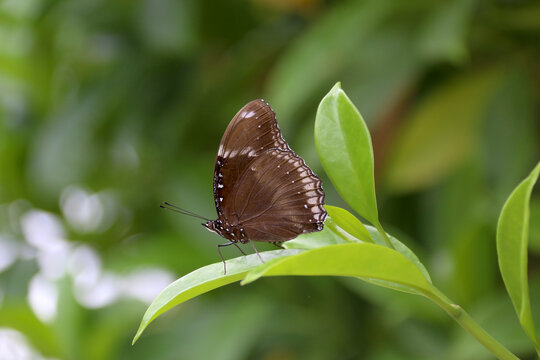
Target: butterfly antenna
171	207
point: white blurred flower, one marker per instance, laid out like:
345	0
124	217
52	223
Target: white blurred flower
8	252
146	284
84	266
43	297
42	230
92	286
53	263
105	291
14	346
82	210
88	212
45	233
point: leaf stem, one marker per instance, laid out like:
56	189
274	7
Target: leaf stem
471	326
385	237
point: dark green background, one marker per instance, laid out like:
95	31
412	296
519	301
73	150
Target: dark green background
124	103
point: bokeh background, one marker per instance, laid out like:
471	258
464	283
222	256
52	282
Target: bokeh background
108	108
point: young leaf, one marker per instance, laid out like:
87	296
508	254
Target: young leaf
362	260
512	240
348	222
344	147
315	239
203	280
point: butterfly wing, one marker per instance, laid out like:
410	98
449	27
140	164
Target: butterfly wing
278	198
261	184
253	130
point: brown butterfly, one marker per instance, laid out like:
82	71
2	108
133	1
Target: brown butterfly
263	191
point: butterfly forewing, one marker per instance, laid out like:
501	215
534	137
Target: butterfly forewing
253	130
260	185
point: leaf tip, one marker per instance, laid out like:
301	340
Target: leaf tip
336	87
536	169
249	279
137	335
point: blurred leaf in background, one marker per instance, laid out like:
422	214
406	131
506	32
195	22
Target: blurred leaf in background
108	108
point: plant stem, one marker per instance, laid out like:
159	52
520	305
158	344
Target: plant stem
472	327
384	235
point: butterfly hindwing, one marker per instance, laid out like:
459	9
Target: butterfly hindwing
263	189
281	200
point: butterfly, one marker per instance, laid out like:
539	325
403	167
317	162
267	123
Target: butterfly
263	191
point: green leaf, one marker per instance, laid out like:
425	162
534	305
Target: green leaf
534	230
345	221
344	147
367	261
315	239
399	247
203	280
512	240
444	35
342	227
292	85
440	134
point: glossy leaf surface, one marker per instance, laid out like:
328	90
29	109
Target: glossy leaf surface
356	259
344	146
203	280
512	242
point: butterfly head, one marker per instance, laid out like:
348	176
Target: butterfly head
213	226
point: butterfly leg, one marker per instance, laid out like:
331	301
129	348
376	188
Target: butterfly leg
221	256
254	248
277	244
239	248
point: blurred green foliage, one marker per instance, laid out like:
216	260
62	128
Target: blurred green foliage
109	107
